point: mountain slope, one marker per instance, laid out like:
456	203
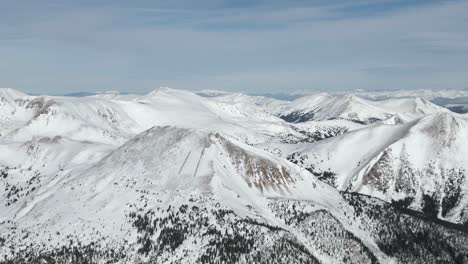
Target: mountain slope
179	195
92	179
162	168
350	107
115	119
420	164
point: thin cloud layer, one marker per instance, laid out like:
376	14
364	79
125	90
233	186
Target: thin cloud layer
56	46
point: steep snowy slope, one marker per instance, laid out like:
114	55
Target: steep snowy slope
204	161
163	168
178	195
90	179
32	168
11	114
350	107
421	164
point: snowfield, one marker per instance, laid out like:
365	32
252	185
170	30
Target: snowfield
175	177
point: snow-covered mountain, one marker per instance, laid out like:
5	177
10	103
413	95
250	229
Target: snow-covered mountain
161	168
350	107
116	118
421	164
174	177
189	195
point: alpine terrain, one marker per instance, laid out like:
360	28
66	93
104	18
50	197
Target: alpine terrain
174	176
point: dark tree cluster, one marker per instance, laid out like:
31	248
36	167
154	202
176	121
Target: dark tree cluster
298	117
326	234
72	253
219	235
410	236
326	176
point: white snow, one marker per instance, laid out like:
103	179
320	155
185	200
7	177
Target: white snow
82	161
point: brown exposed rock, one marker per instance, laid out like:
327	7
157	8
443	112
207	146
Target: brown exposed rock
257	171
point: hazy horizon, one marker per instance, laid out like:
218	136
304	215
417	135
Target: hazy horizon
285	95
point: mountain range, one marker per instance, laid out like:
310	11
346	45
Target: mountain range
173	176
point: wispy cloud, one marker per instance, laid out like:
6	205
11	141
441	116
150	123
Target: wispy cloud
220	45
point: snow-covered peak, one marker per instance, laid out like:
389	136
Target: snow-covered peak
175	177
410	161
166	91
176	158
162	162
11	94
352	107
308	102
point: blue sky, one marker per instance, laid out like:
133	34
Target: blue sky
58	46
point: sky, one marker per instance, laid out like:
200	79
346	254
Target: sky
257	46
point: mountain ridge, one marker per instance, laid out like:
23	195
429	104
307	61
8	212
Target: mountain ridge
174	177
